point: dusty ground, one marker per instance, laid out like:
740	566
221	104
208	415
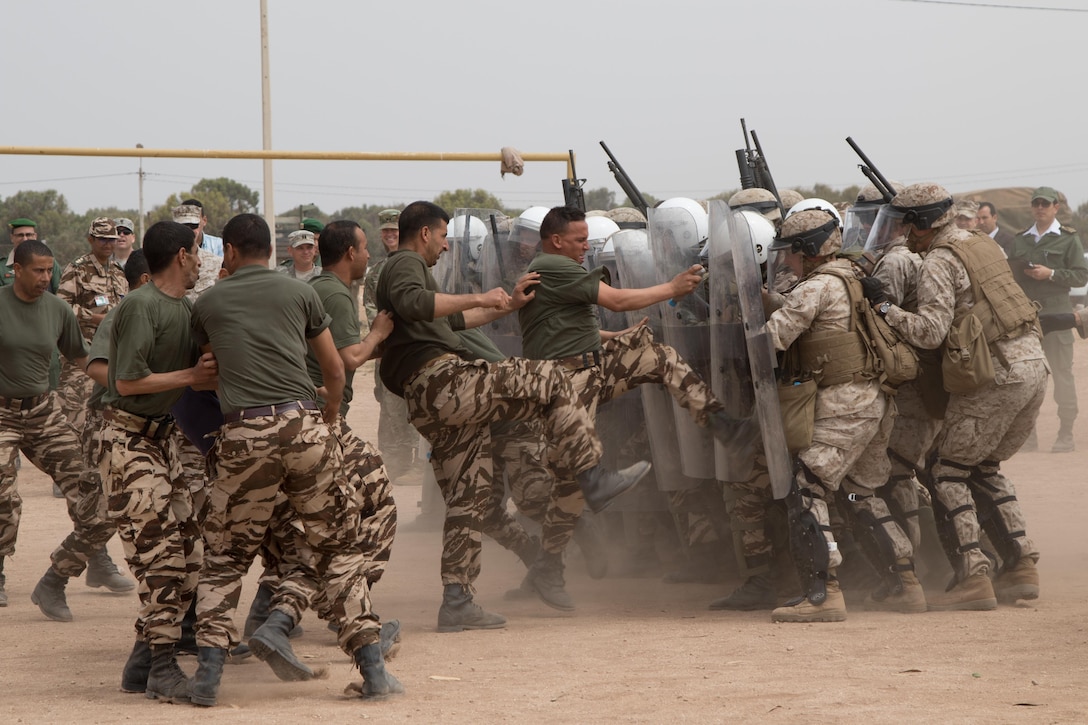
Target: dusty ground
636	650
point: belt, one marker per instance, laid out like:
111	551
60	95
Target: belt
266	410
23	403
581	362
154	428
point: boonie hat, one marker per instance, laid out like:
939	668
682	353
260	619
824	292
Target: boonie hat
103	228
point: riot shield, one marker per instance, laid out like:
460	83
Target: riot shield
737	285
459	270
505	258
604	255
676	243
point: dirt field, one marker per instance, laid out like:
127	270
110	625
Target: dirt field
636	650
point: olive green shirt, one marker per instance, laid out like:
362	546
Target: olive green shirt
100	350
1061	252
407	289
561	319
150	335
30	334
343	309
258	322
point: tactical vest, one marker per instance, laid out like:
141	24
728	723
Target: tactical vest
1000	304
833	357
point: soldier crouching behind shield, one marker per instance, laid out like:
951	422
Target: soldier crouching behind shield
853	420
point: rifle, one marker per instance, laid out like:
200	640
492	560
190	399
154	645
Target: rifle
625	182
573	195
872	173
756	162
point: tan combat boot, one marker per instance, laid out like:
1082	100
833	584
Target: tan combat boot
833	608
911	599
975	593
1020	582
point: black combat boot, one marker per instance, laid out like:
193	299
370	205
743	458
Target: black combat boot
187	644
49	596
601	486
166	681
258	615
102	572
137	669
458	612
757	592
589	539
390	638
546	578
3	581
204	689
271	644
378	683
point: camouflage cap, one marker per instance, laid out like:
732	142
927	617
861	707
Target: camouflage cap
22	222
790	197
388	219
188	214
925	200
312	225
811	225
103	228
756	199
1045	192
967	208
300	238
124	223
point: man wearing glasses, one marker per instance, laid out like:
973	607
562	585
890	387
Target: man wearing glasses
1047	261
21	230
122	248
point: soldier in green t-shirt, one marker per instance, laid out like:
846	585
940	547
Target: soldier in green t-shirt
34	325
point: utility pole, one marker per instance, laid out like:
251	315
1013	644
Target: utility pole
141	239
266	129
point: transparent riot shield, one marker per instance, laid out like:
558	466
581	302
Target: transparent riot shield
505	258
740	283
676	243
459	270
635	268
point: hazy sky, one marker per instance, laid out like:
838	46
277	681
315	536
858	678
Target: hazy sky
969	96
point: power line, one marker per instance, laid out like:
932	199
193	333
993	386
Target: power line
993	5
68	178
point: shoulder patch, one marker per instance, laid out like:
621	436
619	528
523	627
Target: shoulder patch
1068	229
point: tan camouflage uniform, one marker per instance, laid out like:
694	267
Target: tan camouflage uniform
980	429
853	419
747	503
453	403
210	265
84	284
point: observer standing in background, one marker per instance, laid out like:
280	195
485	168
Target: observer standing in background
987	224
1047	261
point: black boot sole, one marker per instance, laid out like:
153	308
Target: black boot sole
286	668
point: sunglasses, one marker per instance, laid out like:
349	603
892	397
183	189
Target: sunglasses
125	232
1040	203
193	226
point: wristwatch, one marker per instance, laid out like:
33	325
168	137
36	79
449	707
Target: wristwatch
883	308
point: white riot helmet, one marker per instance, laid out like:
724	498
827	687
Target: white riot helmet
474	238
761	231
600	229
815	203
533	217
702	219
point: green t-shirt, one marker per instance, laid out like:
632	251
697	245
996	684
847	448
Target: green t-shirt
257	322
480	345
30	333
100	350
151	334
561	319
407	289
344	310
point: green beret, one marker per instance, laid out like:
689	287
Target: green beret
22	222
313	225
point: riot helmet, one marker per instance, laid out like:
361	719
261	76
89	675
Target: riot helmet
926	206
702	220
812	232
758	200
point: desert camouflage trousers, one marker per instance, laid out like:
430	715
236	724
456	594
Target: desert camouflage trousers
253	462
397	439
911	440
46	438
147	498
970	494
520	461
627	361
849	456
373	539
73	391
748	503
454	402
696	514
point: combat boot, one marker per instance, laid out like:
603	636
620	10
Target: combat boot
529	551
378	683
975	593
3	581
546	578
137	668
271	645
588	537
733	433
909	599
166	681
757	592
389	640
833	608
102	572
49	596
204	689
258	615
601	486
458	612
1064	442
1020	582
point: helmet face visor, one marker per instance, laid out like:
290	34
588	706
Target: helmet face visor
809	242
859	220
886	230
923	217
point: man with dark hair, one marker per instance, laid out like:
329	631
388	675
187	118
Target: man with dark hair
35	325
275	440
560	323
21	230
987	224
152	358
453	397
206	241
